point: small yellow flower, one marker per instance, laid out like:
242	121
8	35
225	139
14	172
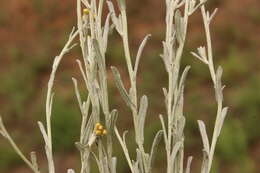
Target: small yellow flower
98	132
97	125
100	128
86	11
104	132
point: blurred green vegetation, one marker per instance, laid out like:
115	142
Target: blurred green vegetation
26	59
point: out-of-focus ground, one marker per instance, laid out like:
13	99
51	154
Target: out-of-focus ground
33	32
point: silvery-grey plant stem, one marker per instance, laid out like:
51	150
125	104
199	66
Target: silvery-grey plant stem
47	136
206	56
93	41
49	101
131	97
4	133
216	78
173	48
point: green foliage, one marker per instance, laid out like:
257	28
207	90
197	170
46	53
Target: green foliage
232	144
236	65
8	158
248	100
66	123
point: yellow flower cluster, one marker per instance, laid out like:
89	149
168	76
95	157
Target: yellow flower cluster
100	130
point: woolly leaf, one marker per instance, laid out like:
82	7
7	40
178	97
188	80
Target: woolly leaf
188	164
121	88
204	136
44	134
218	86
154	148
141	116
179	23
106	32
113	167
221	120
139	53
113	118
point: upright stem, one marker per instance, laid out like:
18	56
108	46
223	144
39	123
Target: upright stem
206	22
209	44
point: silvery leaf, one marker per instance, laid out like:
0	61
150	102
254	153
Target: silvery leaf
114	163
106	32
204	136
174	152
221	120
179	23
78	95
113	15
139	53
141	116
113	118
140	161
121	88
44	134
218	86
154	148
188	164
99	57
164	128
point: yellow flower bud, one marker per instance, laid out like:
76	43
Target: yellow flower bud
97	125
100	127
104	132
86	11
98	132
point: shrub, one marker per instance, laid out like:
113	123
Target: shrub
98	120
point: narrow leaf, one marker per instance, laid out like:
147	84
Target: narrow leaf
115	20
218	86
188	164
183	77
121	88
44	134
204	136
124	147
99	57
2	131
78	95
114	163
164	129
106	31
221	120
140	160
142	115
174	152
139	53
179	23
154	148
113	118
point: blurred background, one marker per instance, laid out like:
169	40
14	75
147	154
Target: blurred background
33	32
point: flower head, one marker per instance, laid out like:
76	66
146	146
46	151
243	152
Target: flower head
100	130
